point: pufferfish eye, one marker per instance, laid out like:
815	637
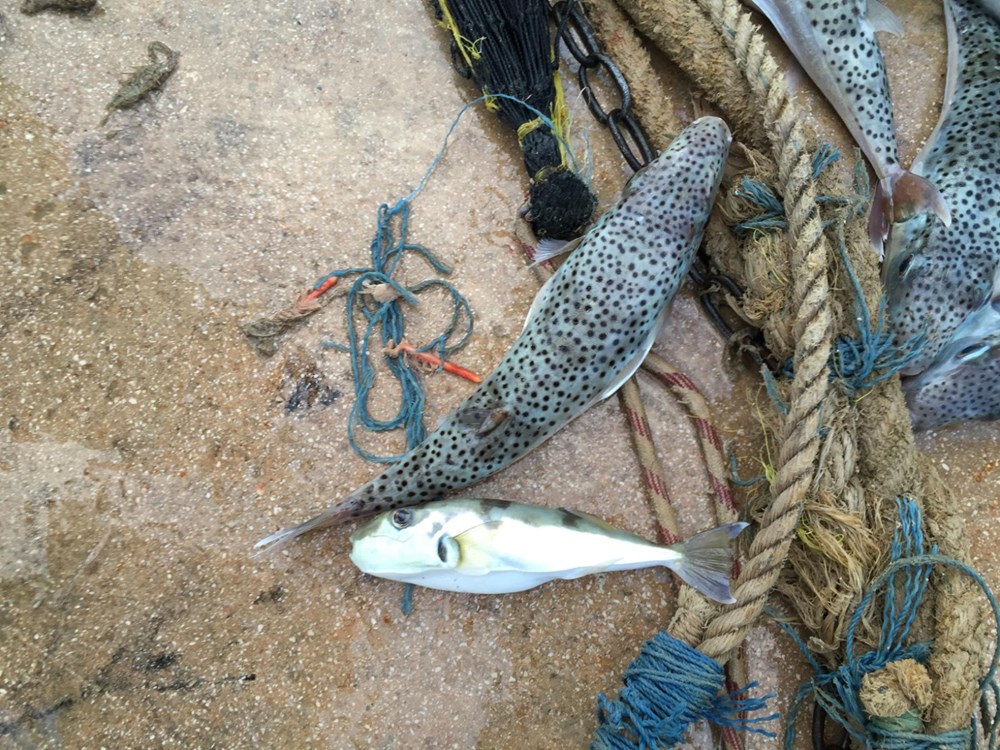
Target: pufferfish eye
401	518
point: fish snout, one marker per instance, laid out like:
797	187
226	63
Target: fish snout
714	127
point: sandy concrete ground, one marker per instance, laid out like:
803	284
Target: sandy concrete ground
145	446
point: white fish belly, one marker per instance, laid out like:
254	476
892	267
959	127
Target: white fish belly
516	556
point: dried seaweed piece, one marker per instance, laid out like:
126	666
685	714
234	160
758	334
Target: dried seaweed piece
70	6
145	79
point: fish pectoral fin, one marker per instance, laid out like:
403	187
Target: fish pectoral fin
883	19
549	248
482	420
633	364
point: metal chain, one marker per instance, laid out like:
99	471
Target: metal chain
582	43
575	31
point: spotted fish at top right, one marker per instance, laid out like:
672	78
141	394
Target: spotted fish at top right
944	282
834	41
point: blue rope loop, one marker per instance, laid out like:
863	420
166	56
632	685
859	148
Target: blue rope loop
905	582
668	687
387	251
389	246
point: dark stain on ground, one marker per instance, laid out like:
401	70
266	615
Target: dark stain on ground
30	714
309	388
162	661
30	7
272	596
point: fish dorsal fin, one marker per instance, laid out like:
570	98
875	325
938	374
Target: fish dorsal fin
883	19
482	420
548	248
637	358
537	303
570	514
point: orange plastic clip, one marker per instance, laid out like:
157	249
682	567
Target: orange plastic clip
431	359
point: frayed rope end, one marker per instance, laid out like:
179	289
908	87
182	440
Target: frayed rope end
669	687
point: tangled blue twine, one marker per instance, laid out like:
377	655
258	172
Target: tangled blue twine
388	248
874	355
772	216
905	581
668	687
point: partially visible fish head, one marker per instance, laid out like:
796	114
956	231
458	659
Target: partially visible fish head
937	279
404	543
702	147
964	383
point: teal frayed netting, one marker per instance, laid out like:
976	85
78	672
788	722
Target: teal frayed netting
772	217
874	355
905	582
668	687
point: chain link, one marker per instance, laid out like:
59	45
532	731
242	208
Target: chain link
582	43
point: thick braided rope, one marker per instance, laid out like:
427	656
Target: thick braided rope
812	329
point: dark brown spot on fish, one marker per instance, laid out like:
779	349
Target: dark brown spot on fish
569	519
494	504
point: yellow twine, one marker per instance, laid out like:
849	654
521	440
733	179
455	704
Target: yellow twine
470	49
559	113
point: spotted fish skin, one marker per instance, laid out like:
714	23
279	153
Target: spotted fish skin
587	331
834	41
963	384
940	279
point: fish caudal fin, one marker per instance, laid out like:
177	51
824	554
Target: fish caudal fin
334	514
707	561
908	195
913	195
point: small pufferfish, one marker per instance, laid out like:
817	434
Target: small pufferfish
587	332
499	547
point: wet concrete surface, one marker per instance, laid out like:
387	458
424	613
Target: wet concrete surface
145	445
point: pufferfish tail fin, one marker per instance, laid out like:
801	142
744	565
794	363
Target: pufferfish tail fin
707	561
